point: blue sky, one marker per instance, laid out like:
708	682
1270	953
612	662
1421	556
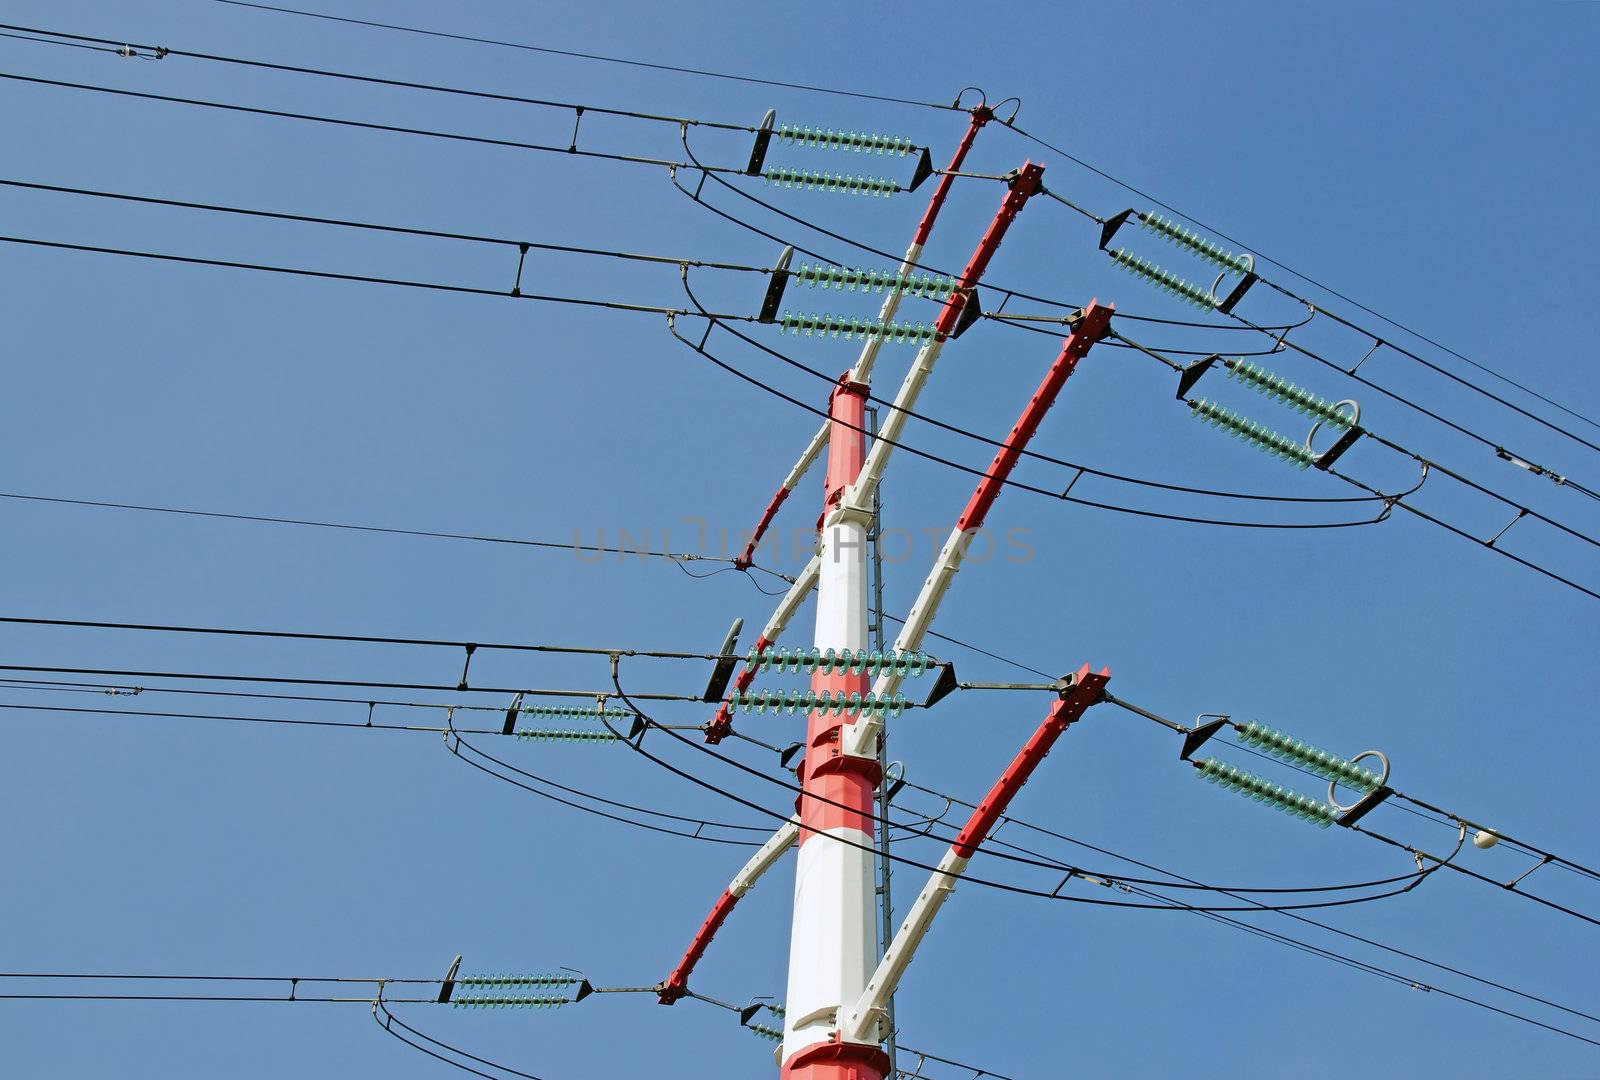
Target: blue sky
1438	164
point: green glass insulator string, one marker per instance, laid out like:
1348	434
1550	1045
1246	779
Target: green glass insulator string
827	181
1265	791
567	735
1276	386
876	281
1170	282
858	141
759	701
475	1001
1193	241
1328	765
775	1034
510	982
1257	435
572	712
829	662
844	326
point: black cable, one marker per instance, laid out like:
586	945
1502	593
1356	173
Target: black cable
405	230
587	56
1011	124
1061	497
651	723
679	262
1035	454
1391	501
550	545
1326	288
1457	821
1210	912
1020	823
362	639
1034	858
285	680
363	125
510	294
382	1004
165	50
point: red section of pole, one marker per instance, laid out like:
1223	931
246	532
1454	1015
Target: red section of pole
1086	689
843	787
1090	329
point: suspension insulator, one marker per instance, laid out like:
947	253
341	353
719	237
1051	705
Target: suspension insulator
1257	435
1272	385
552	735
826	181
759	701
842	326
1193	241
827	661
1329	766
1164	279
1265	791
475	1001
573	712
859	141
513	982
876	281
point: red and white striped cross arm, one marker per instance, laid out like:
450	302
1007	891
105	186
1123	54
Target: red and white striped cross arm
863	1021
1091	327
862	371
1022	187
722	722
677	983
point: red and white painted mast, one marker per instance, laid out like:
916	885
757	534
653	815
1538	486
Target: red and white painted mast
833	939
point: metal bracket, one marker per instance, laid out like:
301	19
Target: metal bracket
971	312
775	286
1113	223
448	987
1226	305
943	686
758	153
726	661
1340	445
1366	803
1191	374
924	170
511	714
1197	738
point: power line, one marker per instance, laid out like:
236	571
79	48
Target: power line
1313	281
585	56
657	259
1279	335
547	545
1018	484
1170	904
1008	123
510	294
1429	466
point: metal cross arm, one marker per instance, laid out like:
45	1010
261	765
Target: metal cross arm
1085	689
720	724
676	985
1090	329
862	371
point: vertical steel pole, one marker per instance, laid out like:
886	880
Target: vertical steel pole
833	939
885	864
